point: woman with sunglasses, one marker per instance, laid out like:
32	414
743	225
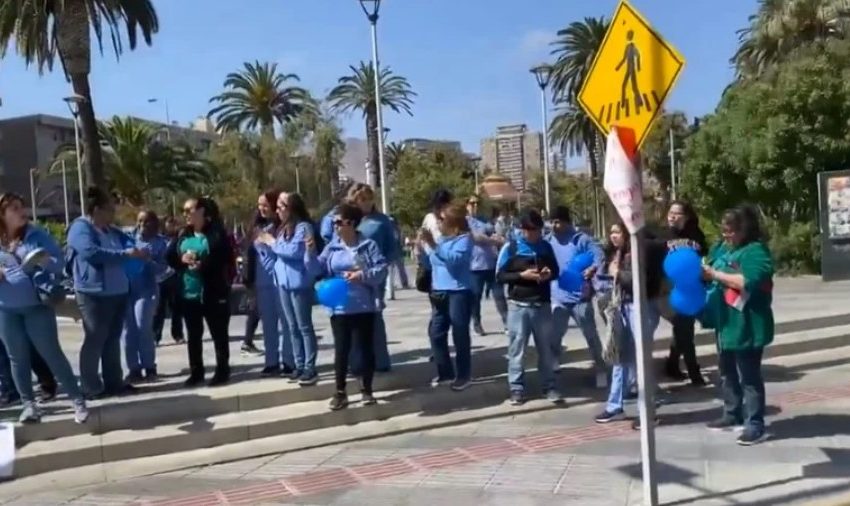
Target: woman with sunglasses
98	254
25	321
357	260
293	259
202	256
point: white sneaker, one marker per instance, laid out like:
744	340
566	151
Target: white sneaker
81	411
30	413
601	379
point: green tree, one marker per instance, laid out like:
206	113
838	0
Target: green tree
655	153
571	129
356	92
566	189
419	176
393	155
257	97
42	30
779	27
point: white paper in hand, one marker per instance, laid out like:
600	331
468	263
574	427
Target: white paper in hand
622	181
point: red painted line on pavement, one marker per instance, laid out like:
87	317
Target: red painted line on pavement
315	482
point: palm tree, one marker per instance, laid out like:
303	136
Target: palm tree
357	92
571	128
140	165
392	156
258	96
42	30
781	26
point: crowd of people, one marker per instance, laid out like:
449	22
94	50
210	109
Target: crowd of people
125	283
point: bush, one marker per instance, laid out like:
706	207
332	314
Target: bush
796	248
55	229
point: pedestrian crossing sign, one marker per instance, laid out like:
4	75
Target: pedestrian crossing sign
632	74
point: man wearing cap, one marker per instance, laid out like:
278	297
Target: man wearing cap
568	242
527	265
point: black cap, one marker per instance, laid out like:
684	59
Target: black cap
530	219
562	213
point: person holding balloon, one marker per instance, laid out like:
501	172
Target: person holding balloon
356	272
579	256
139	341
617	272
294	275
740	270
527	265
97	255
684	232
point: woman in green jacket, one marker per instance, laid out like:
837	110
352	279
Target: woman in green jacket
741	269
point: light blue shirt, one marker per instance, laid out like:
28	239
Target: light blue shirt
115	280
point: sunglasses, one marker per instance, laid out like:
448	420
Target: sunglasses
188	210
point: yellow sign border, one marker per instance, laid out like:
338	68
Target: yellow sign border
624	4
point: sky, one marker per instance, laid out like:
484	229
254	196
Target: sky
468	60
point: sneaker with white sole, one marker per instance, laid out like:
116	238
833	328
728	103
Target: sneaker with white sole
81	411
751	437
459	385
609	416
726	423
30	413
554	397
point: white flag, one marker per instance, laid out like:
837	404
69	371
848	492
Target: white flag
622	182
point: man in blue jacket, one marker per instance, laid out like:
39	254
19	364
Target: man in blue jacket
568	242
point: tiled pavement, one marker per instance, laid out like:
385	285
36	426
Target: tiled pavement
549	458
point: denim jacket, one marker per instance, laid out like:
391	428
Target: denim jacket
89	259
17	289
292	266
364	296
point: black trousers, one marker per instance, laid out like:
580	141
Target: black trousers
169	303
252	321
217	315
46	380
683	346
347	329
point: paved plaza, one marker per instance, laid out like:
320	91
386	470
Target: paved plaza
557	456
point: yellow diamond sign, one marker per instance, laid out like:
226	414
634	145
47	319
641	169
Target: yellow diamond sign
631	76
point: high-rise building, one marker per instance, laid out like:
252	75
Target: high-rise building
512	152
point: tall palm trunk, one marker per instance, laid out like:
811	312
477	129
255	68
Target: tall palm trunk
267	131
74	41
372	141
593	149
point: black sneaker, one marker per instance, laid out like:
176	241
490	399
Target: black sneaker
459	385
607	416
725	423
48	392
308	379
219	379
752	437
291	373
368	399
339	401
250	349
151	374
554	397
478	329
270	372
179	340
134	377
636	423
194	381
517	399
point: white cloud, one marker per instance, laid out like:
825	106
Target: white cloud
536	42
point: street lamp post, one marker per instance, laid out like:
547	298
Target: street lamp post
74	102
32	195
372	9
167	117
543	74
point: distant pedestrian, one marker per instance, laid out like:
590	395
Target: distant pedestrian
484	251
169	287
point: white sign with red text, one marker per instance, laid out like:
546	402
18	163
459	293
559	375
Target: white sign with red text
622	179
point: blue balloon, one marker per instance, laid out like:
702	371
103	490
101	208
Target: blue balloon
683	266
570	281
688	300
581	262
133	267
332	292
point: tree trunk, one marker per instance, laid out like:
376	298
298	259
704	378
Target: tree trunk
267	131
372	140
74	43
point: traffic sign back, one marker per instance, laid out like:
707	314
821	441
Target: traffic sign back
631	76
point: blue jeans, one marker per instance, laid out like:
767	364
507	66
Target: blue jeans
523	322
298	313
451	311
37	326
743	386
402	272
103	320
277	338
139	342
480	281
7	385
583	314
624	373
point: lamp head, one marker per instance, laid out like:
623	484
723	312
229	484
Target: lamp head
543	74
74	102
371	8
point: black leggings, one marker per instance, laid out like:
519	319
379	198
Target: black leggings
217	315
346	329
684	345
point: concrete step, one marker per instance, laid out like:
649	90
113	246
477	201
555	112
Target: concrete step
178	406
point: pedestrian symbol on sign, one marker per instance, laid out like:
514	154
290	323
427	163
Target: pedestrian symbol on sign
631	59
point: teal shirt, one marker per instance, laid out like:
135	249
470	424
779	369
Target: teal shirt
193	287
